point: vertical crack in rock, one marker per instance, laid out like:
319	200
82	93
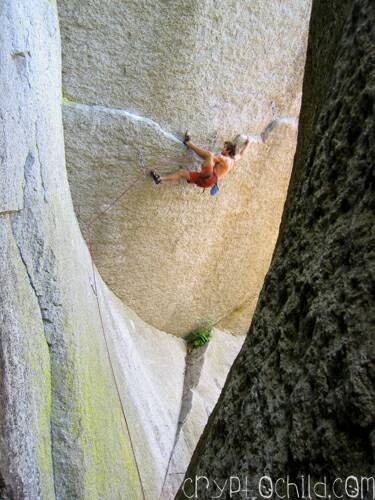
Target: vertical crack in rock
28	167
194	361
40	265
205	371
40	164
44	320
194	364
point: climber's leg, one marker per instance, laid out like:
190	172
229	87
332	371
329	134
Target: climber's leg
207	167
181	174
203	153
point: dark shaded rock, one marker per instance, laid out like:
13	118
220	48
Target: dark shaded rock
5	491
300	397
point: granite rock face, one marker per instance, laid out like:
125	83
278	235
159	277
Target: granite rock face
134	79
300	397
90	403
58	438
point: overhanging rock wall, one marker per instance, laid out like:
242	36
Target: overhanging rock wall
299	400
135	77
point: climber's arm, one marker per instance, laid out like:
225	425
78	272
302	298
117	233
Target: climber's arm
244	149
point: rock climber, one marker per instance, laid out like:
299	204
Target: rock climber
214	167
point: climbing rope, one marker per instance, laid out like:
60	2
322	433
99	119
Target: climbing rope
113	203
88	227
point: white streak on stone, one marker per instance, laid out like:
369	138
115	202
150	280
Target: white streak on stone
127	114
291	121
255	138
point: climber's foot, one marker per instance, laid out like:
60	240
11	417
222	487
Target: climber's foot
155	176
187	138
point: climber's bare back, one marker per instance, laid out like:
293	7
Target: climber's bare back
223	165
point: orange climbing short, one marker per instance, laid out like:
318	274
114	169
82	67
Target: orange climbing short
205	178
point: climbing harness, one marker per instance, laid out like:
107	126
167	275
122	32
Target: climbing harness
95	289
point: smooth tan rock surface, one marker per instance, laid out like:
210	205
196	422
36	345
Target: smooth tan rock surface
135	77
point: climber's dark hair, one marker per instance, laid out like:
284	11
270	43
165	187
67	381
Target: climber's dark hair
231	148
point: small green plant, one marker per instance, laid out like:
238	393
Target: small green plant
200	335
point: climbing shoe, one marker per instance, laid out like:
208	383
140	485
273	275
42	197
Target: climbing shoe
155	177
187	138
